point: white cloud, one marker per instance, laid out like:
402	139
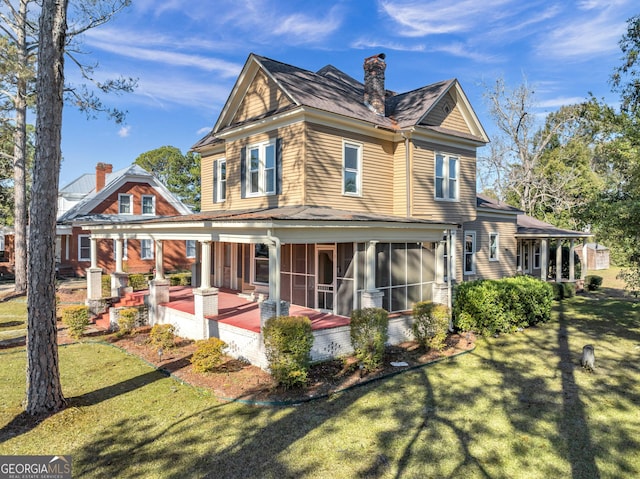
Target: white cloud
555	103
204	130
124	131
308	29
363	43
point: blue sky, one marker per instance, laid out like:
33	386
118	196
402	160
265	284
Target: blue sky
187	54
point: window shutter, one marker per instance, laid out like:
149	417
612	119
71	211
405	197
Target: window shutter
215	180
279	166
243	172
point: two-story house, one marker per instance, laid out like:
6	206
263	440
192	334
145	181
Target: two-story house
325	194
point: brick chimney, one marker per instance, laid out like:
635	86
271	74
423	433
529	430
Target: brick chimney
102	169
374	96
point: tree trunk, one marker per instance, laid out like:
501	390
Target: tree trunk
20	158
44	392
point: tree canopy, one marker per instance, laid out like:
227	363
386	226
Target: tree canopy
179	173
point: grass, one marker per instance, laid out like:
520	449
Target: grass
518	406
13	322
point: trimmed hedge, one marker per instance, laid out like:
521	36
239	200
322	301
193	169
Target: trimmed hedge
502	306
288	341
593	282
208	355
138	282
563	290
106	285
369	334
430	324
180	279
76	318
127	320
163	336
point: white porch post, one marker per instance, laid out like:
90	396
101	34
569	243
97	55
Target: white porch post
274	273
119	279
583	269
371	297
559	260
94	274
572	262
205	265
159	260
119	255
544	259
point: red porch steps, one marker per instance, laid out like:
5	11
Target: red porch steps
128	300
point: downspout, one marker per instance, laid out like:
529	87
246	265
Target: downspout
407	159
449	289
274	282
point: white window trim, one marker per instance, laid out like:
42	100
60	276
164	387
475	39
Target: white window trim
445	177
195	248
219	185
142	256
537	256
124	249
153	205
358	172
262	182
253	266
123	195
497	235
472	253
80	257
2	242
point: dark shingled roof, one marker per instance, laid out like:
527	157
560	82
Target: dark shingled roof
528	226
332	90
483	201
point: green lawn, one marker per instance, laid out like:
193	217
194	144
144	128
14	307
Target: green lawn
13	318
518	406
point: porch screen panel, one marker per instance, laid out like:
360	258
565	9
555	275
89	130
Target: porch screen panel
414	262
345	280
382	266
399	298
299	259
285	287
285	255
344	302
398	264
414	295
299	290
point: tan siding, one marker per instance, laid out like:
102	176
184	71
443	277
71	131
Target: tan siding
400	181
506	228
292	170
324	171
452	120
424	203
455	121
206	181
262	96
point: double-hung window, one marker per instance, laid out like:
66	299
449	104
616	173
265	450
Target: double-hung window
446	178
221	181
352	169
261	168
125	204
146	249
261	264
494	246
469	252
148	205
191	248
84	248
536	255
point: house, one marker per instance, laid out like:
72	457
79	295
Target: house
115	197
598	256
329	194
7	260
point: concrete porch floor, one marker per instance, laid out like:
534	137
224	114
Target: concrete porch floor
238	311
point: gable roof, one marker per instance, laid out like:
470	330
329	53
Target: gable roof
331	90
530	227
84	208
486	203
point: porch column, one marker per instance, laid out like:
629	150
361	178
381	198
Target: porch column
119	279
205	265
371	297
544	259
583	269
195	267
572	261
159	260
274	273
94	274
559	260
119	255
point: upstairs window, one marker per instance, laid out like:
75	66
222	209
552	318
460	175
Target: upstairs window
146	249
470	252
494	246
148	205
446	178
220	181
124	204
352	169
261	169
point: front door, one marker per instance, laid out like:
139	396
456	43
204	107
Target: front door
325	277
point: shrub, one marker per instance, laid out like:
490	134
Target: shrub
180	279
163	336
127	320
288	341
138	282
208	355
430	324
593	282
631	278
76	318
369	333
106	286
502	306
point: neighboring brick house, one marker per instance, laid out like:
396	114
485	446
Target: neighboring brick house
116	197
6	251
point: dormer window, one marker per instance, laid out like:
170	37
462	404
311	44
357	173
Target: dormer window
148	205
124	204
